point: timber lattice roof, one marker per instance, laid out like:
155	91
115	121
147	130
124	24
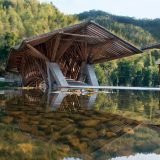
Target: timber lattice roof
91	41
68	47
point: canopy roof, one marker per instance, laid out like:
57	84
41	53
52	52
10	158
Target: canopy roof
92	42
152	46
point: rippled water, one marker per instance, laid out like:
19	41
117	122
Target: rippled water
116	125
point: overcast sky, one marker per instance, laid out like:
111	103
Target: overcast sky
133	8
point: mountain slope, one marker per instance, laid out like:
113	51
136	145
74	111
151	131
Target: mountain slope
150	25
133	71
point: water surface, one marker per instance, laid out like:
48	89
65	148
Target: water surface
115	125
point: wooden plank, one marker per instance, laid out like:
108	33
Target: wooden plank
78	51
82	35
100	49
41	70
104	43
89	55
36	53
125	43
54	53
63	49
85	50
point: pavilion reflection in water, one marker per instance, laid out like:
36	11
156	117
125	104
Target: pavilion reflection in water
64	120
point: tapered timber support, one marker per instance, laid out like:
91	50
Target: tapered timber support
88	75
91	76
82	73
55	75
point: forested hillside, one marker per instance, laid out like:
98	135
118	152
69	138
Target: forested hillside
24	18
136	70
150	25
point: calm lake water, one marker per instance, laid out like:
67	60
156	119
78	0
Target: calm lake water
68	125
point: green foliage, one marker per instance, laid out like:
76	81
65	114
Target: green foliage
138	70
150	25
9	40
25	18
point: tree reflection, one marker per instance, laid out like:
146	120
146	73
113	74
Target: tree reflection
89	126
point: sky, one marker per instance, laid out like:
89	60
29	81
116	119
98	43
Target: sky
133	8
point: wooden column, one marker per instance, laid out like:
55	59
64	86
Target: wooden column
82	73
87	74
91	75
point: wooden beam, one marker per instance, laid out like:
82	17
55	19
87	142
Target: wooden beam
100	49
85	50
101	44
89	55
56	45
84	53
75	40
63	49
125	43
82	35
41	70
36	53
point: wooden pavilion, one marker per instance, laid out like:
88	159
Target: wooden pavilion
67	54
